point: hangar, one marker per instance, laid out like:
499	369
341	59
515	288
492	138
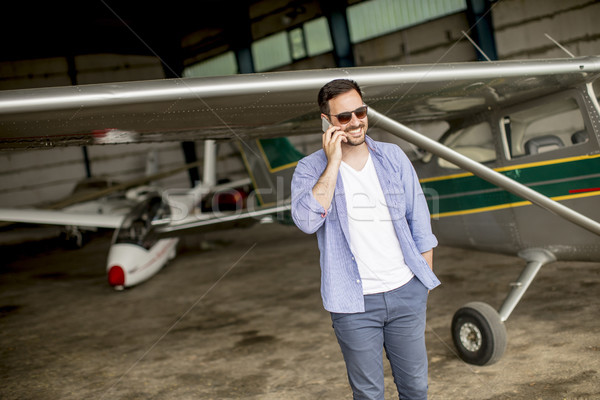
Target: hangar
47	46
58	46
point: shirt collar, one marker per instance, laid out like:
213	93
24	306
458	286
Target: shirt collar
371	144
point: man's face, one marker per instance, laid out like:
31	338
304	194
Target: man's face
356	128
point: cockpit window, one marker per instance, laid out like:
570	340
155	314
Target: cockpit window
544	127
474	141
137	225
432	129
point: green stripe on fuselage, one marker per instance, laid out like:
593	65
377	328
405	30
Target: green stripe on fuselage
463	193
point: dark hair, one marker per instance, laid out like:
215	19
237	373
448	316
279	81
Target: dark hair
333	89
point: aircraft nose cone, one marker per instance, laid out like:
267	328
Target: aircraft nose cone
116	277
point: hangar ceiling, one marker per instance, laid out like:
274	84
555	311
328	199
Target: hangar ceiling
179	32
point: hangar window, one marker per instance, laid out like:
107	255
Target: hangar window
297	43
474	141
318	38
223	64
310	39
271	52
549	126
369	19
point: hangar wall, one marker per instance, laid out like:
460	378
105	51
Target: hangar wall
520	26
37	177
91	68
435	41
40	176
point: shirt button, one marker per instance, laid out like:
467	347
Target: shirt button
352	258
358	281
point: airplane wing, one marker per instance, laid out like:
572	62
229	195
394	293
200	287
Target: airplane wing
271	104
223	220
51	217
82	209
268	104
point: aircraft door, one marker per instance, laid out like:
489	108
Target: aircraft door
549	147
461	202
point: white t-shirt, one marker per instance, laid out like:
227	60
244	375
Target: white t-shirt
373	240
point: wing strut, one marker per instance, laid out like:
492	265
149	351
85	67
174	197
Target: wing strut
414	137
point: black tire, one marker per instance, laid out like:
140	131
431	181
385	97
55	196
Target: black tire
478	334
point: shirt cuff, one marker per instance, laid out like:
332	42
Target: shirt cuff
316	207
427	244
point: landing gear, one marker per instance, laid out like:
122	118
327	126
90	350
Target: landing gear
74	237
478	331
478	334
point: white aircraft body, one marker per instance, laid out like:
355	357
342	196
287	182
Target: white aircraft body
135	256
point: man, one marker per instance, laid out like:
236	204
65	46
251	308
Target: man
364	201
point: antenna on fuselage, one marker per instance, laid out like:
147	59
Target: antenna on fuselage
475	45
560	46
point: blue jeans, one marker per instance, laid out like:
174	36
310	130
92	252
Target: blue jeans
393	320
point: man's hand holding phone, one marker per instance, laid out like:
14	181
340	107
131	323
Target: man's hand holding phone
333	136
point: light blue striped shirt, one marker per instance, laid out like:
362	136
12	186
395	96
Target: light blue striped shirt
341	286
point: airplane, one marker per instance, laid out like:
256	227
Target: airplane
504	142
135	254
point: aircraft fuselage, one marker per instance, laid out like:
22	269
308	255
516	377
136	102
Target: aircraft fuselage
550	145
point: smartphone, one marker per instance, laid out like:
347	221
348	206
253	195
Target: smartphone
325	124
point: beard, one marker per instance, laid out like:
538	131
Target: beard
355	141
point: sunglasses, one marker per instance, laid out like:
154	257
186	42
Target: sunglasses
346	116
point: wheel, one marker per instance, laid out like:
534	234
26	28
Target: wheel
478	334
74	238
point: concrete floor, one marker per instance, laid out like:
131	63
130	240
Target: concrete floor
242	318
